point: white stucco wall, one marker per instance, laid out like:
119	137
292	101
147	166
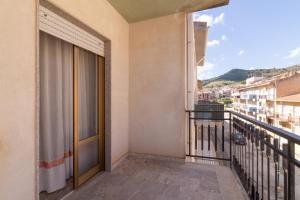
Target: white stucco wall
17	100
18	86
157	86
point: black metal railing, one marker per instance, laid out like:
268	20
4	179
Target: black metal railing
262	155
209	134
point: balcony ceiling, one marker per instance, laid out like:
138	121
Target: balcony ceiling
138	10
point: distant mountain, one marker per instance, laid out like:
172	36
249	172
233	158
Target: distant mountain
238	75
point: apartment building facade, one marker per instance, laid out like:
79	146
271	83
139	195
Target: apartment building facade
288	113
274	101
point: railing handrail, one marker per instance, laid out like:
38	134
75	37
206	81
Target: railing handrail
206	111
280	132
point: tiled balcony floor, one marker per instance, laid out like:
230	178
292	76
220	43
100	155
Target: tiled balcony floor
153	179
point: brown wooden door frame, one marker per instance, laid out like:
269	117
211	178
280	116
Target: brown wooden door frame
80	179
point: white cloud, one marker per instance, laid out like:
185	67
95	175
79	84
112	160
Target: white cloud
241	52
220	19
294	53
210	19
252	68
213	43
204	72
224	37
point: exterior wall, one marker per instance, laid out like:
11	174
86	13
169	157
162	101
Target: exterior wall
191	62
18	84
157	86
254	101
288	86
17	102
269	109
289	112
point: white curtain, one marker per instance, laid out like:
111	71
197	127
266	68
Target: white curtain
56	113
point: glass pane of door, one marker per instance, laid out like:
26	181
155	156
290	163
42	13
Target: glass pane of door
87	97
88	157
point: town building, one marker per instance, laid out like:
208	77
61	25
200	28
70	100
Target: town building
288	113
272	100
206	95
199	85
213	94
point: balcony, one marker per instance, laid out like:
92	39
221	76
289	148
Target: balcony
284	118
265	158
270	113
261	110
251	109
244	96
271	97
252	97
296	120
262	96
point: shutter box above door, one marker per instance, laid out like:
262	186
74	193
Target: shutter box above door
59	27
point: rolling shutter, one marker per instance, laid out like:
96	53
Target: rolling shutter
59	27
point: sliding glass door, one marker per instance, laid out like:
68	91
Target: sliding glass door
71	114
88	115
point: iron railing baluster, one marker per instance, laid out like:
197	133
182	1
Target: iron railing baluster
230	139
216	137
202	137
291	170
285	174
257	158
262	149
249	157
196	136
223	137
190	140
268	165
208	135
252	164
275	158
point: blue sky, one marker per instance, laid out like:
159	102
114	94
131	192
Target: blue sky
251	34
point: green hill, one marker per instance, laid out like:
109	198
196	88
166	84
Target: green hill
239	75
219	83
